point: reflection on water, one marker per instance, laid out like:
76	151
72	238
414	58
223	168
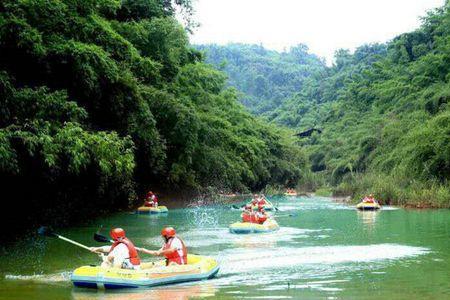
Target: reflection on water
368	217
177	292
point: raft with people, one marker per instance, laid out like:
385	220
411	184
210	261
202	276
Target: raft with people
254	222
290	192
248	227
368	203
150	274
160	209
122	266
151	205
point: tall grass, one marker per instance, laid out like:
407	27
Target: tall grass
396	190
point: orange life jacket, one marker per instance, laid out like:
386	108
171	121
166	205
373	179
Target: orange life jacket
176	257
134	257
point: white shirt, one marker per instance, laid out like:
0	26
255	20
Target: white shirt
120	253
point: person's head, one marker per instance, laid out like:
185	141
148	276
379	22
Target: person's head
371	195
248	207
167	233
117	234
261	208
254	200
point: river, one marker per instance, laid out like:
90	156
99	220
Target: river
324	250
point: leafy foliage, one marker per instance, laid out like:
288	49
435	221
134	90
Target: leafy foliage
266	78
101	99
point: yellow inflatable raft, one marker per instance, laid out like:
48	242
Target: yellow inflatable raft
150	274
152	210
247	227
368	206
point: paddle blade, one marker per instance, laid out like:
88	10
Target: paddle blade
101	238
46	231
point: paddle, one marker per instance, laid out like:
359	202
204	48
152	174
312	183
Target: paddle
46	231
101	238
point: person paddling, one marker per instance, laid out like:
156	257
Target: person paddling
173	249
121	254
369	199
151	200
262	200
247	213
261	215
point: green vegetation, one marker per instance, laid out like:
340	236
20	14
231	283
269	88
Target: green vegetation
102	99
266	78
384	115
324	192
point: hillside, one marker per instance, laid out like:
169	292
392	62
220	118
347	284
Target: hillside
384	115
265	78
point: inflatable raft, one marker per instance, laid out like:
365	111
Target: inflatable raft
247	227
150	274
368	206
152	210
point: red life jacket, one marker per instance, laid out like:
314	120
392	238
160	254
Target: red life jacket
262	218
134	257
246	217
176	257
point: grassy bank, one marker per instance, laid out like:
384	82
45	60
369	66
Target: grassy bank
396	191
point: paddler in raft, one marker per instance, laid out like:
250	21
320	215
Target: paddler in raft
262	200
369	199
248	214
261	215
121	254
151	200
173	249
254	201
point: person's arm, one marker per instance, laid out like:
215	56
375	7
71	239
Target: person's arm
103	249
146	251
167	251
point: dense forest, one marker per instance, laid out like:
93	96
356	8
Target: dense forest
103	99
383	112
266	78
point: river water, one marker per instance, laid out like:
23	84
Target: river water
324	250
